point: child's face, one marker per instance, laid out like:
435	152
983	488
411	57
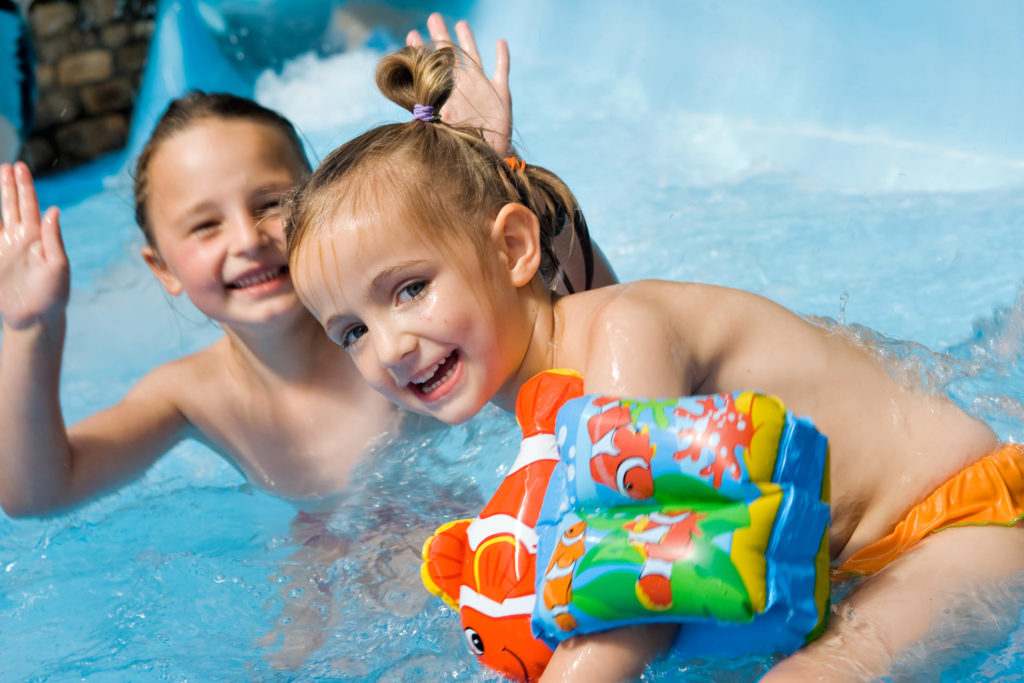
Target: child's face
214	206
435	337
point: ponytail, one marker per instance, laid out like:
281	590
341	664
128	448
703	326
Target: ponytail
442	174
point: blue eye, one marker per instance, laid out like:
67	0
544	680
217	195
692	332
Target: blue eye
352	335
411	291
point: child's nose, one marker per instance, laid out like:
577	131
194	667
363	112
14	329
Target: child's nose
248	235
393	346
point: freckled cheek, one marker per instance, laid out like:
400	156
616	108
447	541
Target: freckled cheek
428	314
429	319
437	321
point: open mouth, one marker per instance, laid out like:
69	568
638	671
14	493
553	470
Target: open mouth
260	278
436	381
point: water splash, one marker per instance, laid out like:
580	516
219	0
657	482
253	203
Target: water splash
984	374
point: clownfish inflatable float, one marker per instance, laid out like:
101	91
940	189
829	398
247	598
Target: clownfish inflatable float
710	512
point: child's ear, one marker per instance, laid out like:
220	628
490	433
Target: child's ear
516	233
156	264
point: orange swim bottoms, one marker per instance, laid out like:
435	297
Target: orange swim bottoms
989	491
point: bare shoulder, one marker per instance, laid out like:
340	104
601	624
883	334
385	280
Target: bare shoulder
158	412
680	337
179	380
632	337
637	301
675	311
665	296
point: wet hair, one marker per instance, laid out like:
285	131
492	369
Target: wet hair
188	110
445	180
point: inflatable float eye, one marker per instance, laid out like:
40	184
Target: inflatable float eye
476	643
630	478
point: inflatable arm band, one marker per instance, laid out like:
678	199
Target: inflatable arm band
710	512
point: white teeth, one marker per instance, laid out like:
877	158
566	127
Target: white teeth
438	381
428	376
265	276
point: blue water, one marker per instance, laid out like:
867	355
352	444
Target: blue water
858	161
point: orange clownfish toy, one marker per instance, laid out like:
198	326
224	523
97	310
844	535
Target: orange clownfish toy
707	511
485	567
625	463
558	576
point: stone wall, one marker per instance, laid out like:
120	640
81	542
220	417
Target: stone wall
91	54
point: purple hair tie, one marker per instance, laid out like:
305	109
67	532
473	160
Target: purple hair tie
424	112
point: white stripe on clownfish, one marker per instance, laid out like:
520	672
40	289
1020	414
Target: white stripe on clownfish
659	517
652	535
557	571
509	607
535	448
568	536
606	443
624	467
482	528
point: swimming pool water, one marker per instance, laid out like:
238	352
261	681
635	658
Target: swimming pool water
864	164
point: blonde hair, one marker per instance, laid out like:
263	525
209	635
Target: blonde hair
445	179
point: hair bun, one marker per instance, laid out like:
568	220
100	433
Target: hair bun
418	75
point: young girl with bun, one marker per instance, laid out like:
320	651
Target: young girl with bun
428	257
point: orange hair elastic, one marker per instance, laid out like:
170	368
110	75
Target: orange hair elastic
515	164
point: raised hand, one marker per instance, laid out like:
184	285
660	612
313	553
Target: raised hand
477	101
34	273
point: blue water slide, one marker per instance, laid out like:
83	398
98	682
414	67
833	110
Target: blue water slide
183	56
17	81
223	45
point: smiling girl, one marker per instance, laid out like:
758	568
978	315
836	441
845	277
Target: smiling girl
427	257
273	395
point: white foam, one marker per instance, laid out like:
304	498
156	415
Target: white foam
325	94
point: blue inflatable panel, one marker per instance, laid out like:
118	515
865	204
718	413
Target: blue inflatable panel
710	512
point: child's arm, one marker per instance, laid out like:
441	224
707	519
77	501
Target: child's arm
619	655
477	101
42	467
630	353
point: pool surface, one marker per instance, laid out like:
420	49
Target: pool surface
863	163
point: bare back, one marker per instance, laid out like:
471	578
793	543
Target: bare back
891	443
